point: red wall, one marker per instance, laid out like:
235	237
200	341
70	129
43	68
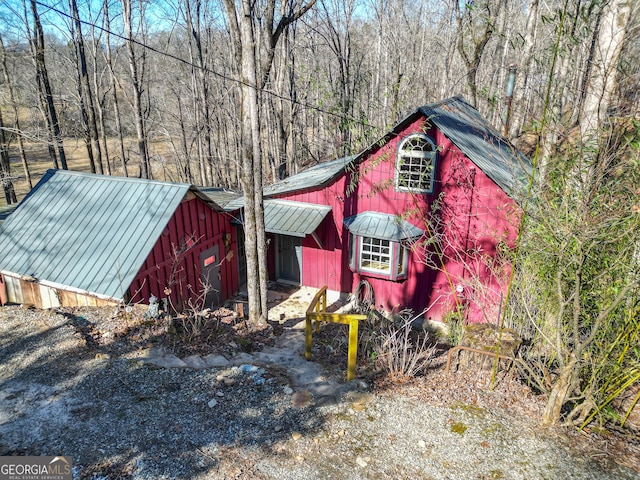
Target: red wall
194	220
477	215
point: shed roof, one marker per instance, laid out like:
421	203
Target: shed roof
286	217
219	195
293	218
88	232
313	177
381	225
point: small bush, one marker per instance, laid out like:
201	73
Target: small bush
399	350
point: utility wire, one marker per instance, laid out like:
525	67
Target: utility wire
208	70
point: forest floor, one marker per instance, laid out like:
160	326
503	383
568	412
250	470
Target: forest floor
78	160
72	383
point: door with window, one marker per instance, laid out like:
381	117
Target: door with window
211	279
289	259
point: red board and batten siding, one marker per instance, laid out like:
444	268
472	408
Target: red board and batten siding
478	215
199	227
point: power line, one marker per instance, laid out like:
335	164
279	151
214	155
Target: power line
208	70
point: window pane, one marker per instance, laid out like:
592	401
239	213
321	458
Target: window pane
402	261
415	164
375	255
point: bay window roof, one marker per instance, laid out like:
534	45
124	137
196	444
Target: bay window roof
381	225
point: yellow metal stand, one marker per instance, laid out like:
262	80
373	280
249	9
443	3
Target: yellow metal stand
317	312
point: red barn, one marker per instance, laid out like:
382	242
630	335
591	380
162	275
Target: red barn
84	239
422	218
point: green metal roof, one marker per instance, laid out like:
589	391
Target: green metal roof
88	232
481	142
461	123
219	195
286	217
313	177
381	225
293	218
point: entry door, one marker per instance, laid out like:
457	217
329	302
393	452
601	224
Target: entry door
210	267
289	259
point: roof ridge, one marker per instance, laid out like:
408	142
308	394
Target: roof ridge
116	178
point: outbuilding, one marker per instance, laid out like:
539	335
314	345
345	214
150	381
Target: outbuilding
85	239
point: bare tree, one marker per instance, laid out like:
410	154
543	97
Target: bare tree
16	117
243	23
600	86
36	41
5	166
143	150
86	92
114	87
476	22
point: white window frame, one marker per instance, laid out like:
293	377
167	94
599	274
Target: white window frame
425	161
365	250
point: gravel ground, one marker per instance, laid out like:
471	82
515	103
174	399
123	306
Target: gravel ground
65	392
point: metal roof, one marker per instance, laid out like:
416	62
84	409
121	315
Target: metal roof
478	140
89	232
293	218
286	217
461	123
219	195
313	177
381	225
6	211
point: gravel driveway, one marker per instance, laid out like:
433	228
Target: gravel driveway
119	419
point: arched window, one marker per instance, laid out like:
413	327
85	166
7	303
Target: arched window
416	164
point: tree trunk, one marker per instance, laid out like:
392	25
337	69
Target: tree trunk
5	167
85	88
242	27
12	98
600	87
145	165
201	84
561	390
114	89
45	87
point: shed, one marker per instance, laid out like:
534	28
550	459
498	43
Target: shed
85	239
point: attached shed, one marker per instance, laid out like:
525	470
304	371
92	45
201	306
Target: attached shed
84	239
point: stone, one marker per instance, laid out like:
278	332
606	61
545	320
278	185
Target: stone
219	394
278	428
296	436
422	444
167	361
358	398
212	403
215	361
287	390
241	358
301	399
228	381
361	462
195	362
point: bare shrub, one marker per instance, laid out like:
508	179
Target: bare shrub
401	351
